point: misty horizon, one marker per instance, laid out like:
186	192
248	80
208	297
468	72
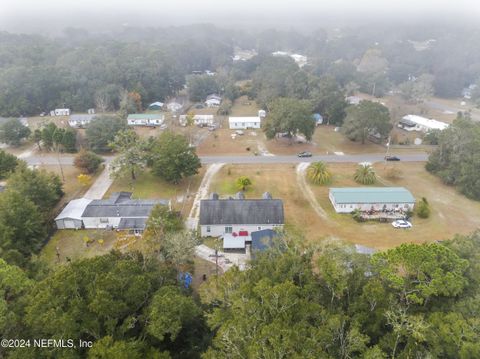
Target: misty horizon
28	17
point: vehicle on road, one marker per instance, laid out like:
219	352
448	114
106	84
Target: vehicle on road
401	224
392	158
304	154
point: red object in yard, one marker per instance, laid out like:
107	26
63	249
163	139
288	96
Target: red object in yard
243	233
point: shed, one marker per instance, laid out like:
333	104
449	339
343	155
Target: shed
262	240
71	216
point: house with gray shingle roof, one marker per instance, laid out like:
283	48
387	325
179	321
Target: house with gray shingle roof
239	216
119	212
346	200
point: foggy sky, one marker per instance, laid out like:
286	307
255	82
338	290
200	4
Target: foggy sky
52	15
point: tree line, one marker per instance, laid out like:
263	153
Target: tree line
294	300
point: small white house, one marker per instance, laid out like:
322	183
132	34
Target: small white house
346	200
80	121
422	124
145	119
198	120
239	216
91	111
213	100
60	112
243	123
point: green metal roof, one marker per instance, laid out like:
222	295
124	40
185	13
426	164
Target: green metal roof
372	195
141	116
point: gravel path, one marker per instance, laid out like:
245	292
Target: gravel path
307	192
202	193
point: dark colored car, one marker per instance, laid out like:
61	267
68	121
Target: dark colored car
392	158
304	154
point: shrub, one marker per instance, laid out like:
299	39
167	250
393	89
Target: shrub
423	208
87	161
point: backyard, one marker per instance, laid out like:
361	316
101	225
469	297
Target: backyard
147	185
451	212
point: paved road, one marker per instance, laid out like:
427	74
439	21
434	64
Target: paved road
373	157
420	157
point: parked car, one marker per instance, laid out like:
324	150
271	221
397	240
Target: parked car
304	154
392	158
401	224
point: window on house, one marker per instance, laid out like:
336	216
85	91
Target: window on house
228	229
208	229
103	220
259	228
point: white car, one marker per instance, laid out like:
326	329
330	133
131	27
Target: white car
402	224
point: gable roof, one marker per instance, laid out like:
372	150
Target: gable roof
120	204
372	195
145	116
241	211
244	119
74	209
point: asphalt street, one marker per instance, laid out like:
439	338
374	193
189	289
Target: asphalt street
374	157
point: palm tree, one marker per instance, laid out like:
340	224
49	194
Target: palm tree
365	174
318	173
243	182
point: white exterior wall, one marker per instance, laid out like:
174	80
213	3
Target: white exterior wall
219	230
350	207
145	122
62	112
244	125
96	222
213	103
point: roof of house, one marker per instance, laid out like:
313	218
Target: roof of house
74	209
241	211
426	122
233	242
214	96
155	104
120	204
82	117
262	240
372	195
132	223
244	119
145	116
197	117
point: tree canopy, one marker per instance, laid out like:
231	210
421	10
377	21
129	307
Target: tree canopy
457	158
366	118
290	116
172	158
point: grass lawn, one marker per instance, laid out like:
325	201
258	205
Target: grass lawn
150	186
220	142
244	107
72	188
71	245
325	141
452	213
